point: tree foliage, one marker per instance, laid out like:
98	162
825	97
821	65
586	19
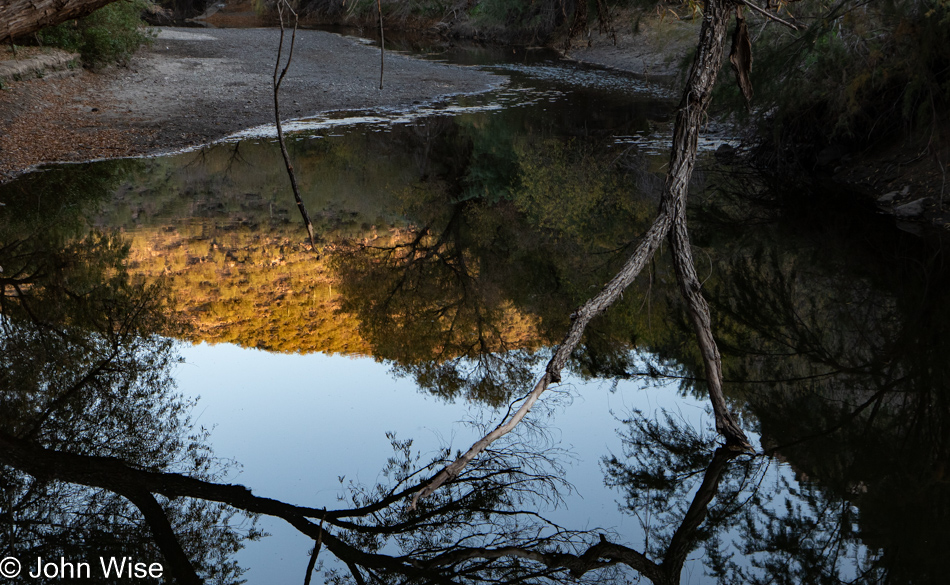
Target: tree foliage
109	35
856	72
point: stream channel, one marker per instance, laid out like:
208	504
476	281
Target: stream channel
455	240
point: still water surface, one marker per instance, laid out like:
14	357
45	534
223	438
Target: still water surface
455	241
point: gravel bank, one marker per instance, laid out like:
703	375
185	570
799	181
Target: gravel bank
194	86
653	45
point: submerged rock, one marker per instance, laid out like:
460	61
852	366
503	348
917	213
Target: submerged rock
912	209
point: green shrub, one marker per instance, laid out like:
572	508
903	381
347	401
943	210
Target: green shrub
859	73
109	35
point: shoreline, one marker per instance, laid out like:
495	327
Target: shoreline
196	86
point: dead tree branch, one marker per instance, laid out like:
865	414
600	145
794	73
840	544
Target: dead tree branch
279	75
672	214
382	43
19	18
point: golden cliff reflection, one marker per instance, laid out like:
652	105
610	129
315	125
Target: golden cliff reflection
469	251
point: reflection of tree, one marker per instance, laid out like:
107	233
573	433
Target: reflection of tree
753	525
427	304
95	434
484	525
92	436
84	372
427	300
836	334
462	301
658	475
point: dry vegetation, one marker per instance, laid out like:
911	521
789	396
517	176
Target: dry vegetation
66	114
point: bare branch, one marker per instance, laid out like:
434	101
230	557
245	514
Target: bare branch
278	79
382	43
767	14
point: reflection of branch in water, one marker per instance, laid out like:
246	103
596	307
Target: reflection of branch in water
670	222
84	361
487	516
875	400
463	535
489	489
314	553
482	524
606	554
235	156
425	303
482	507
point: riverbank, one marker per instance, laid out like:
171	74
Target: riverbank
906	173
195	86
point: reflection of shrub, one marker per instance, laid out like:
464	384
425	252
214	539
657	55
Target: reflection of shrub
109	35
569	188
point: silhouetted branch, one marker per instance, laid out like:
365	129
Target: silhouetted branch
767	14
313	555
164	536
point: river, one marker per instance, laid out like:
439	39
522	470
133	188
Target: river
168	312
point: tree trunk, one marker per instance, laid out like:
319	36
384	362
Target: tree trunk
670	223
689	120
23	17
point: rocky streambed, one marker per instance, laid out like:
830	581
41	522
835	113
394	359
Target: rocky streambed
193	86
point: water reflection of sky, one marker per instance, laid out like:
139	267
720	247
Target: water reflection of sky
296	423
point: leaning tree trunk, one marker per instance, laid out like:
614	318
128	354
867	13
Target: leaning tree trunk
23	17
670	222
689	119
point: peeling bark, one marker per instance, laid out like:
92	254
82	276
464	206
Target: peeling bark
741	56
